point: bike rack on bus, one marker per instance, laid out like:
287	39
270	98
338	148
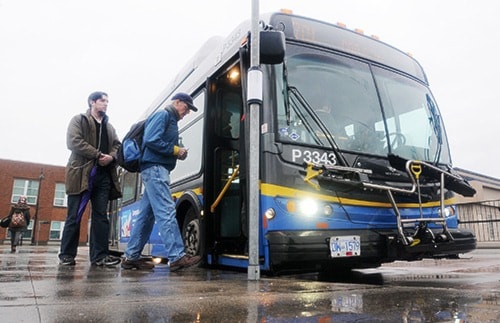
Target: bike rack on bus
414	169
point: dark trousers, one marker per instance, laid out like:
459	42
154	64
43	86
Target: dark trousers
99	227
16	237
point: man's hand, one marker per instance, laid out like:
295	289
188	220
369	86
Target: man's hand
105	159
183	153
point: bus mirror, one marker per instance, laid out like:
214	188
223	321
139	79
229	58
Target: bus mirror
272	47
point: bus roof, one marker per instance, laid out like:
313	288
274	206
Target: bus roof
217	50
339	38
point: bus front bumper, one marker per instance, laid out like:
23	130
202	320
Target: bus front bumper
312	248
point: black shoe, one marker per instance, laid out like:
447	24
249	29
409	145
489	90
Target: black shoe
108	261
137	264
184	262
67	261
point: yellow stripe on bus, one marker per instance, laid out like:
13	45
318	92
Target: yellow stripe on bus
197	191
287	192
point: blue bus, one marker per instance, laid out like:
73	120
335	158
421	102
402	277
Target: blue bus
355	168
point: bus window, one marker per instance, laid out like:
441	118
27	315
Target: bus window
230	221
129	187
229	114
414	130
191	136
344	90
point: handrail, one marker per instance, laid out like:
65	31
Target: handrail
224	189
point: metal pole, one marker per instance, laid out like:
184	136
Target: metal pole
255	101
35	217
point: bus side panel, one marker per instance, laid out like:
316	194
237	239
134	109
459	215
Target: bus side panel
127	215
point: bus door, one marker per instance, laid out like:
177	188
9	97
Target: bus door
223	191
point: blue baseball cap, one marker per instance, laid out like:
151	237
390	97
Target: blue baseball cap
186	98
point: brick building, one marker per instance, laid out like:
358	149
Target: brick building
44	187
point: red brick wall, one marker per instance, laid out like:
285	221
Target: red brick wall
10	170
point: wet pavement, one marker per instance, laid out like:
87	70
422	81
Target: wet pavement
33	288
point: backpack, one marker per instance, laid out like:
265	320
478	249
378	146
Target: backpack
17	220
130	152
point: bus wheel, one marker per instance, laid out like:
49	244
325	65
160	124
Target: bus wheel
191	233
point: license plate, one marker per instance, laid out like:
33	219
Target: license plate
347	303
345	246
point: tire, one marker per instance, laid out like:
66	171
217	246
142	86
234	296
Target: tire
191	234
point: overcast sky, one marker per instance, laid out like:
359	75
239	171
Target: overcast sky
54	53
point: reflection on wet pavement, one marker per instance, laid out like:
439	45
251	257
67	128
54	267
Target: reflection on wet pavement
35	289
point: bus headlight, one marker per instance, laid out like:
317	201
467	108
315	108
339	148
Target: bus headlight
308	207
327	210
156	260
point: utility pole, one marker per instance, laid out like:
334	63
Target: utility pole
254	98
35	217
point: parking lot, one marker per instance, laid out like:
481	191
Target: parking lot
35	289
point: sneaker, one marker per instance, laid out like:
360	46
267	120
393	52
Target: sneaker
184	262
137	264
67	261
108	261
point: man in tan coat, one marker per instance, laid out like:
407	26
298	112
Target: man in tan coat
91	174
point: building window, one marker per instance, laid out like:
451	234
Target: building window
60	197
28	232
56	230
25	187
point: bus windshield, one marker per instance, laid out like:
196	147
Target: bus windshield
359	108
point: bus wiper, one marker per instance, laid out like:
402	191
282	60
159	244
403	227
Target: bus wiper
286	96
435	122
298	100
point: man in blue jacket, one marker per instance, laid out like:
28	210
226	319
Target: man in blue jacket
160	153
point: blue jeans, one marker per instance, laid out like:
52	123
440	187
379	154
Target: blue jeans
99	227
156	204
